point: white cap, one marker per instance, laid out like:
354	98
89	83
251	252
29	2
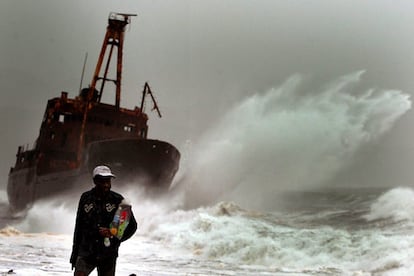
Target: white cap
102	171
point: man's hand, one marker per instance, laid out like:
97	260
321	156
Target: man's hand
104	232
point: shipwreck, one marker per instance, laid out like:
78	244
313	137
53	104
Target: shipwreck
76	134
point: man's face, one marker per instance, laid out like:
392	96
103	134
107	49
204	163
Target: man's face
103	184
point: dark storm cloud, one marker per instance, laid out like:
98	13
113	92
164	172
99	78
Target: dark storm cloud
202	57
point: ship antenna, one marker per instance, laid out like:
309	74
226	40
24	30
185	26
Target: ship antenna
147	90
83	72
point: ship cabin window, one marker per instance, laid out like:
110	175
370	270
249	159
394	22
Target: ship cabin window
61	118
128	128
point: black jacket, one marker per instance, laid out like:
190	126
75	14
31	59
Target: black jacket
94	212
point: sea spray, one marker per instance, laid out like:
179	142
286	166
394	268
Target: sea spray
3	196
396	204
50	216
288	138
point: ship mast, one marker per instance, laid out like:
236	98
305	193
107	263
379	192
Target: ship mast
114	37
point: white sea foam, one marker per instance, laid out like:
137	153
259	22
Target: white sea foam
396	204
235	236
221	239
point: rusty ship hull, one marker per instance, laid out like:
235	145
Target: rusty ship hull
79	133
151	164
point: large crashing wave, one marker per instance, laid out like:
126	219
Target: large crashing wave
396	204
288	138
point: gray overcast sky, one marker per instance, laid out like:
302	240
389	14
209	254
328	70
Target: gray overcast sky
203	57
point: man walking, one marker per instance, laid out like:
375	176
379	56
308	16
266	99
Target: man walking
93	244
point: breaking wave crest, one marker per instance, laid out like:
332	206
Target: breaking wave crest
396	204
234	235
288	138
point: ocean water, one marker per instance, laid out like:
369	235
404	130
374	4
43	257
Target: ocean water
255	195
331	232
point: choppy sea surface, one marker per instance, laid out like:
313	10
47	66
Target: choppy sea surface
231	219
320	232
